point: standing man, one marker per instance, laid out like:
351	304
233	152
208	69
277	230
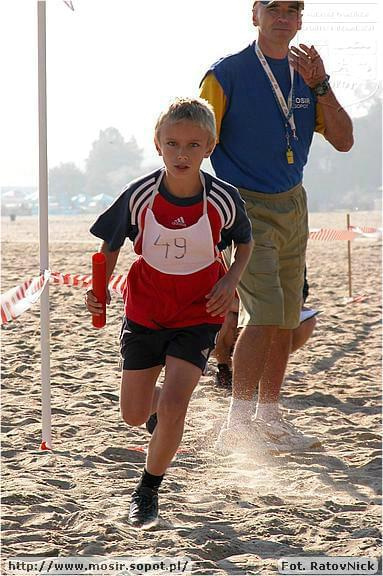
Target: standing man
268	101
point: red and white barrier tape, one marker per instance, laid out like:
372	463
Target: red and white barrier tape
327	235
116	282
355	299
367	231
19	299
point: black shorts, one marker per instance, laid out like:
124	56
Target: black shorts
143	348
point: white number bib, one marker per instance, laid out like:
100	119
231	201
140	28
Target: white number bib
180	251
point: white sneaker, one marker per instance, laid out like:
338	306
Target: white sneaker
282	436
239	439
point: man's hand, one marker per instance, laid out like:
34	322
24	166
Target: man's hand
307	62
92	304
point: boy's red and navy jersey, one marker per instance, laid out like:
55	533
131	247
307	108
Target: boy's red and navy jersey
155	299
125	217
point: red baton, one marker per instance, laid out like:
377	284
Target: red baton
99	287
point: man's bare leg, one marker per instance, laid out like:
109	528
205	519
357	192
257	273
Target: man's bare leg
275	367
249	359
273	374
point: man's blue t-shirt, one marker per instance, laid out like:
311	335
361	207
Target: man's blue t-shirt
251	152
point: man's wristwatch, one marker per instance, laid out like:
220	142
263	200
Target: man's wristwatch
323	87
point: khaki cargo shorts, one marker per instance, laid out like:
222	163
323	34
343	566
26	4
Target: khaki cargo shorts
271	287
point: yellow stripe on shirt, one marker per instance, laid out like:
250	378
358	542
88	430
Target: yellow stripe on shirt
212	91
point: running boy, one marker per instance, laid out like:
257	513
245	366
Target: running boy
177	291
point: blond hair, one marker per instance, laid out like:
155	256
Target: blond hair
196	110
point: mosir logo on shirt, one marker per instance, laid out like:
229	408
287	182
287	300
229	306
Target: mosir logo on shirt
302	102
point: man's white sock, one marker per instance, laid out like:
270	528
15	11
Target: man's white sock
240	412
267	411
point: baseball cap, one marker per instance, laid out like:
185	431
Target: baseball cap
266	3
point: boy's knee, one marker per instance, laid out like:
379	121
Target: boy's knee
133	418
172	410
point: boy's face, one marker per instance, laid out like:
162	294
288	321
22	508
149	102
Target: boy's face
183	145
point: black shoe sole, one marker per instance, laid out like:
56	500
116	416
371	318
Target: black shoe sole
146	525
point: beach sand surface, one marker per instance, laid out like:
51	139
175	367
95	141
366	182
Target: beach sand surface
229	514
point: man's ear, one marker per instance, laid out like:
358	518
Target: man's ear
299	22
157	145
255	15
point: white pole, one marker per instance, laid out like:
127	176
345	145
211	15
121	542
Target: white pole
43	227
349	259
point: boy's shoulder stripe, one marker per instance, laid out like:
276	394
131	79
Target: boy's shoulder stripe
218	206
223	184
142	201
225	199
140	192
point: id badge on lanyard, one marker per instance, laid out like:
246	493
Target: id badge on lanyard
285	108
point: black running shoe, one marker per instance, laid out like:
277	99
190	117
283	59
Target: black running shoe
223	377
143	507
151	423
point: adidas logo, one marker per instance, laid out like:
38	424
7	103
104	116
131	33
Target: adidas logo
179	222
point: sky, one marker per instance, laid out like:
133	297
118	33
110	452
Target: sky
119	62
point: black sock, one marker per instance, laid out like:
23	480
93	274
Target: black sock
150	480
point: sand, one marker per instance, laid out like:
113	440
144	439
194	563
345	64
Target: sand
230	515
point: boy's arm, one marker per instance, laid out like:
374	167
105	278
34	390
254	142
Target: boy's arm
221	296
93	306
241	257
111	259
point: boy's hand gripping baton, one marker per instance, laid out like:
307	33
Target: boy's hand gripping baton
99	287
